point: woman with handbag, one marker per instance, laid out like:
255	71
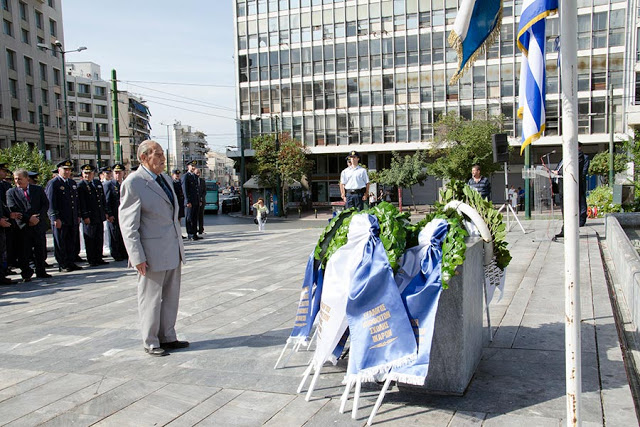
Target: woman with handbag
261	214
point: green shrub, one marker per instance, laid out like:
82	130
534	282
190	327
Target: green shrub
602	198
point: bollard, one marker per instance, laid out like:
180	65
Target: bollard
316	213
299	213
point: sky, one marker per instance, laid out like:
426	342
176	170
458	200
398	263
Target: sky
187	43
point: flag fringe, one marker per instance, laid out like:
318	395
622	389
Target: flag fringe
456	43
302	340
407	379
374	373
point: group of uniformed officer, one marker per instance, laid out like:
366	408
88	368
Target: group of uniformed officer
93	202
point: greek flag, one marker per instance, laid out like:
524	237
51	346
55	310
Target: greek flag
476	27
531	41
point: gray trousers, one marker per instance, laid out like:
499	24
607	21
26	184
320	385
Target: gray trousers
158	295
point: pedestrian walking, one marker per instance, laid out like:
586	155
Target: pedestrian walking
261	213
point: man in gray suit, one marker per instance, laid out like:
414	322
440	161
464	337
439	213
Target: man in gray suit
151	233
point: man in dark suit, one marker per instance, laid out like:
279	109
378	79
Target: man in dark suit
177	187
112	196
62	193
191	200
4	225
10	249
93	214
30	201
202	192
151	231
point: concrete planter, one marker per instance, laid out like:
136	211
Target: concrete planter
458	335
626	260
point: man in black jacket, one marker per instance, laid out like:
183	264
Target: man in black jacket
30	201
62	193
112	196
93	213
202	192
190	184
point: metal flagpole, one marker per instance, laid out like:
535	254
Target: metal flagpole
569	74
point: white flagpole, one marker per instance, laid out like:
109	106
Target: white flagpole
571	174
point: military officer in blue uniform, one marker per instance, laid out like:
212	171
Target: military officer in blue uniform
354	183
112	195
93	213
190	188
62	193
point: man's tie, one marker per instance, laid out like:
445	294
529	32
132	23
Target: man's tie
26	195
163	184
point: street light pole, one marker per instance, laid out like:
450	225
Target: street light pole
243	197
58	45
279	194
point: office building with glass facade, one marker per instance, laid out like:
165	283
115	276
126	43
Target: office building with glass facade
373	76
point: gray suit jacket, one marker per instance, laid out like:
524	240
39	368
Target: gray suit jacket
149	223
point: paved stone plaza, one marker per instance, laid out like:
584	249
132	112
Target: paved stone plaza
70	351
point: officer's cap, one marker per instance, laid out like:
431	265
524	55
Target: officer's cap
192	163
65	164
54	171
105	169
354	154
33	174
176	171
118	167
87	168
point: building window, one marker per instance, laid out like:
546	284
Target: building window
5	5
101	109
39	20
85	108
100	91
53	28
45	96
43	72
599	33
13	88
11	59
85	127
54	50
71	87
7	27
32	117
25	36
72	107
29	93
40	40
83	88
45	119
52	4
24	15
28	66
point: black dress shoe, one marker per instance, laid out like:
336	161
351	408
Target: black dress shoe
78	259
66	269
6	281
173	345
157	352
43	276
74	267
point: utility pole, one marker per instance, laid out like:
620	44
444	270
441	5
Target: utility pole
114	113
98	146
243	196
611	125
278	180
41	130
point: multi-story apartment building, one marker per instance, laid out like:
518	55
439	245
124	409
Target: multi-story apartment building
89	114
188	144
134	116
372	75
221	169
31	77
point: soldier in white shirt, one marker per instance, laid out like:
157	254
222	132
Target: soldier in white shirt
354	183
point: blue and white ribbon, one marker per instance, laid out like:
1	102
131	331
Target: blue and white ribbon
309	303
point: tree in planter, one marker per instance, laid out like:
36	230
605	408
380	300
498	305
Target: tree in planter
21	155
405	172
290	162
599	165
463	144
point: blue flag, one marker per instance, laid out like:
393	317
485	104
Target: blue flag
381	334
421	298
476	27
309	304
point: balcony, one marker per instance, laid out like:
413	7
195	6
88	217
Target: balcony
82	95
633	116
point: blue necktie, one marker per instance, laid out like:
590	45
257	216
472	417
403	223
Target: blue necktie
162	183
